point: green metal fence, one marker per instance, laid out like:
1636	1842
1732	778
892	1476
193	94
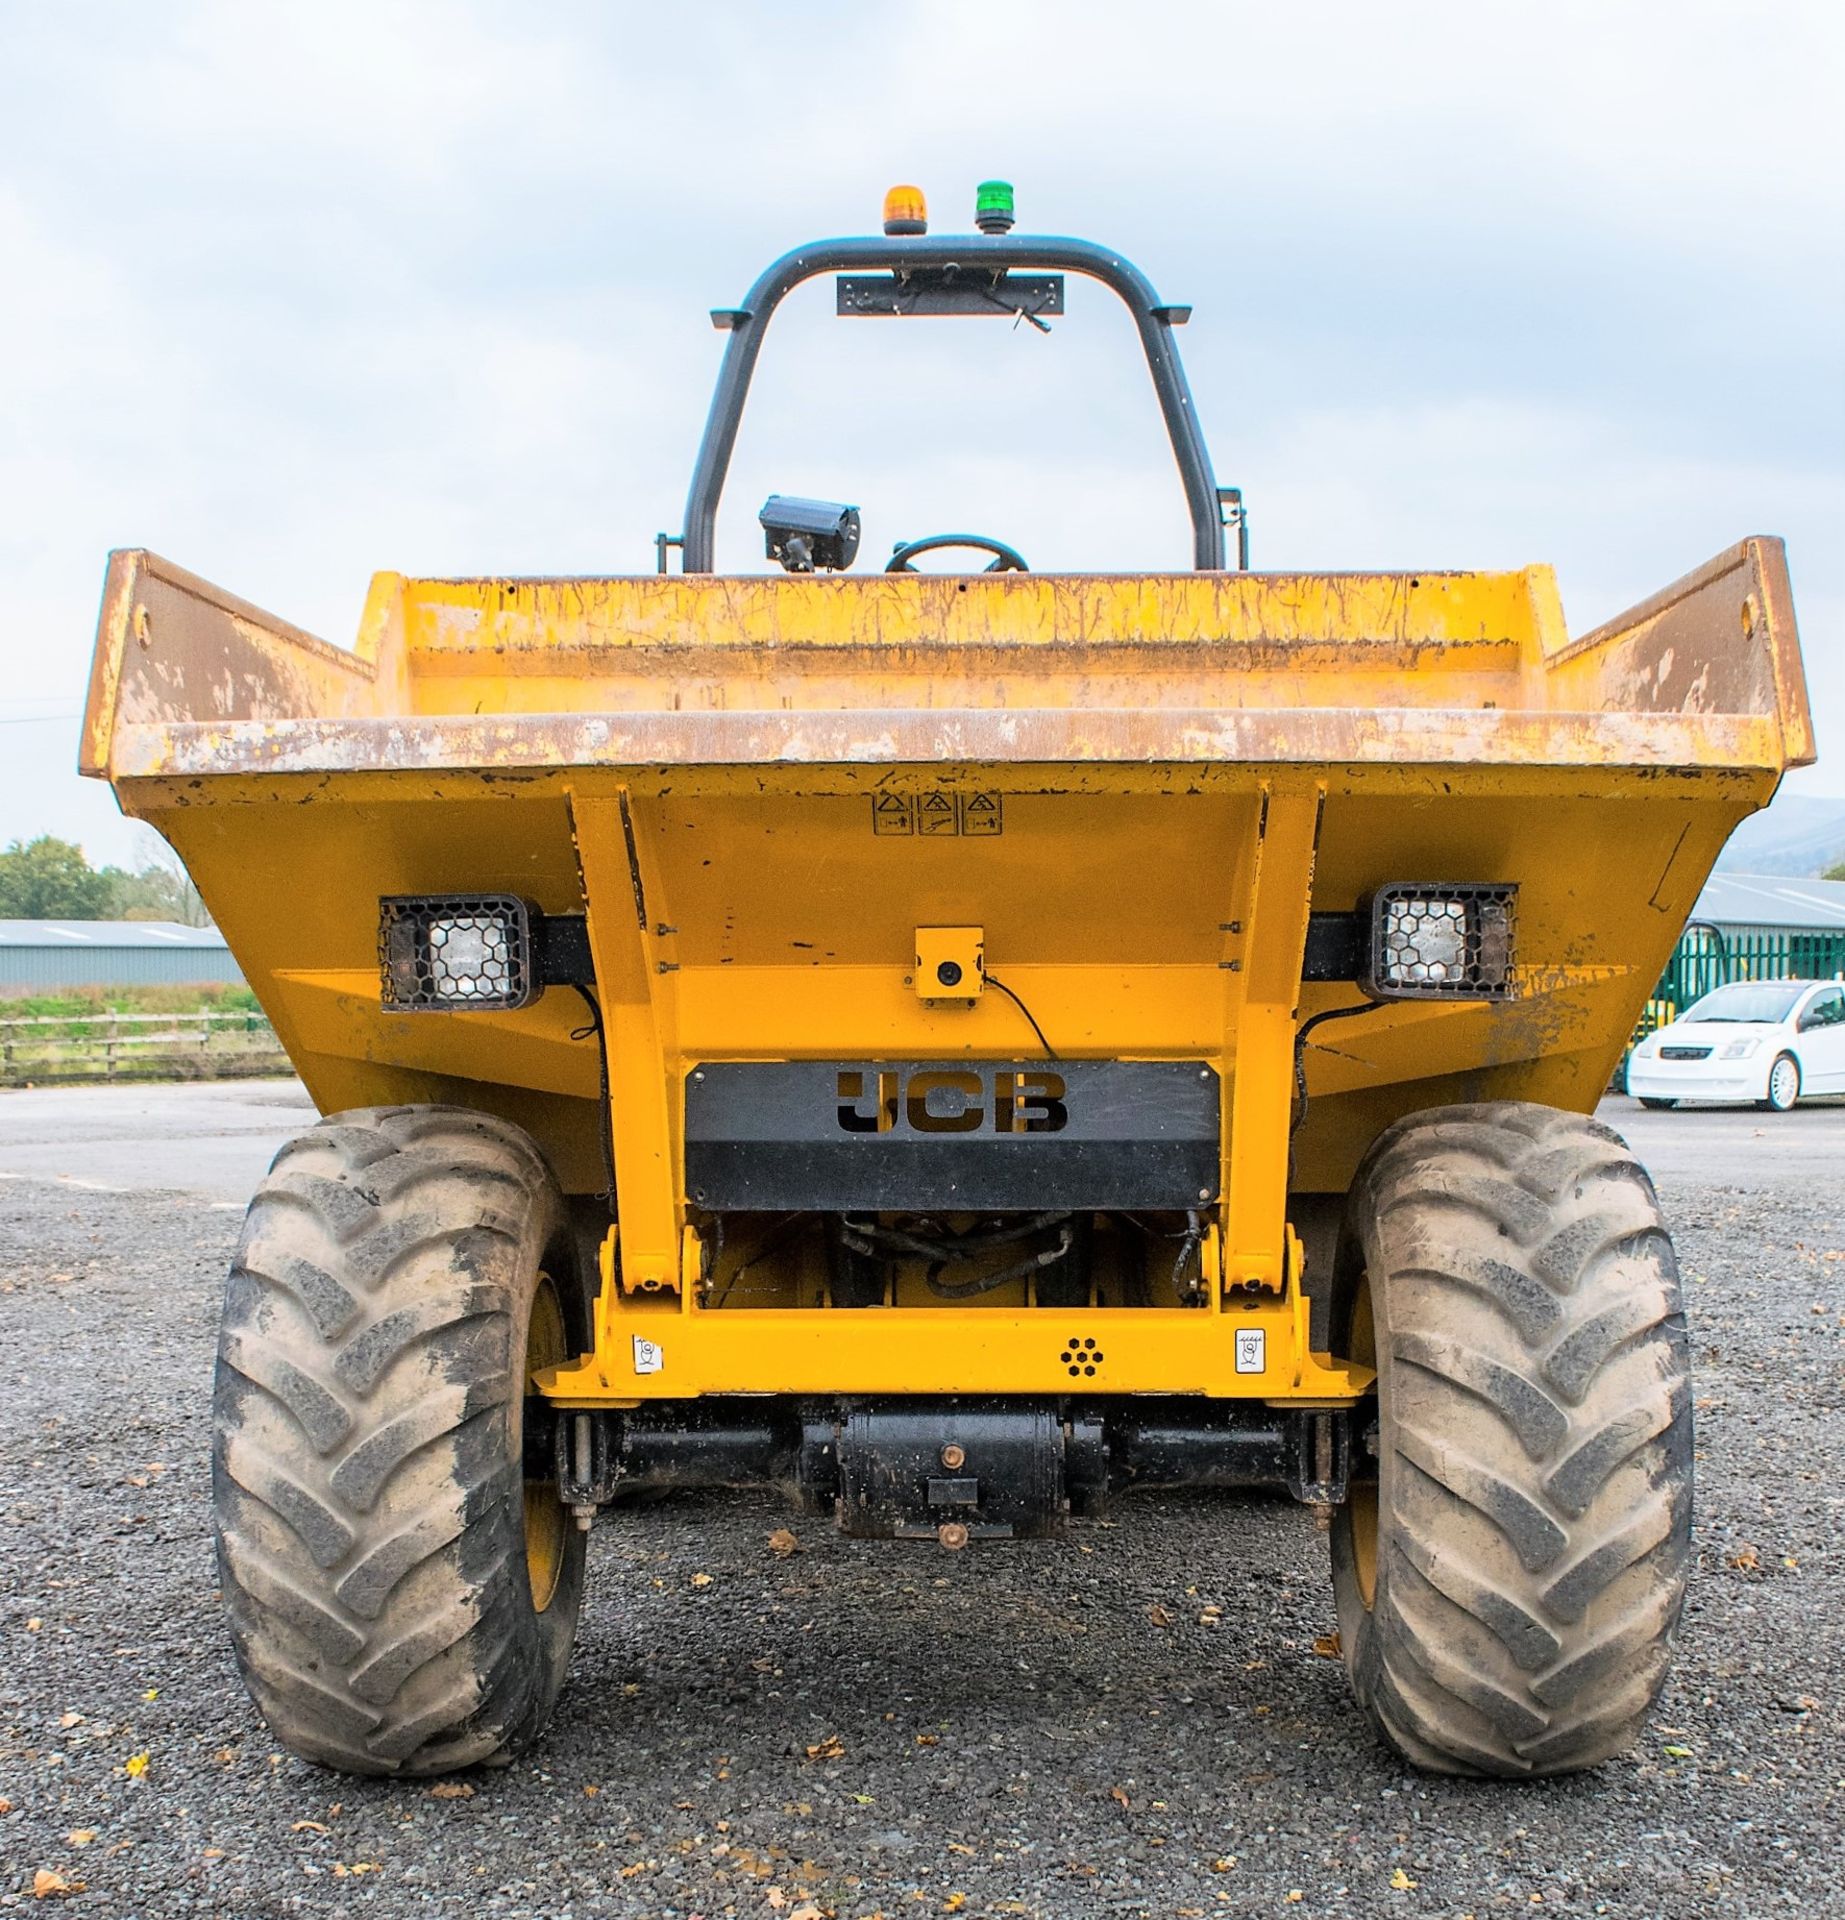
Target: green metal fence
1707	957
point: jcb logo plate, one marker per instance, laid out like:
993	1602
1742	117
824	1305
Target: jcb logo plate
799	1135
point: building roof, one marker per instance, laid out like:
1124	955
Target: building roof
159	934
1768	900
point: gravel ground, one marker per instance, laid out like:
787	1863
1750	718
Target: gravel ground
864	1729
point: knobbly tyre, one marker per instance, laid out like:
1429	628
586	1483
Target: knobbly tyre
955	1048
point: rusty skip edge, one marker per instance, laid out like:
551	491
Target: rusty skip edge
1453	738
189	681
171	646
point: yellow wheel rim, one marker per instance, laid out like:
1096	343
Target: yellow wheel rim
1362	1500
547	1525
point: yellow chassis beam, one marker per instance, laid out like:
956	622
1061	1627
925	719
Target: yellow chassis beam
1239	1345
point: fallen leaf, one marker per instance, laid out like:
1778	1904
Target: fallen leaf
701	1579
70	1719
831	1748
807	1911
135	1765
153	1693
590	1791
1401	1881
782	1543
1160	1616
1119	1796
1329	1647
81	1836
451	1790
6	1806
954	1903
1295	1894
310	1826
1678	1753
47	1885
1746	1558
927	1740
959	1846
776	1898
211	1853
32	1626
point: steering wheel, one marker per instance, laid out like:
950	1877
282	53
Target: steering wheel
1005	559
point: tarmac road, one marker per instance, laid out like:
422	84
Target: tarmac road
863	1728
210	1138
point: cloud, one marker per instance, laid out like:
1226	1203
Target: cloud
294	294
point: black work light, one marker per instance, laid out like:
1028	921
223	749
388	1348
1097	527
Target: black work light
451	950
1441	943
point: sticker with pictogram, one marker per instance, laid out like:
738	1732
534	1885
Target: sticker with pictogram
937	813
912	815
981	813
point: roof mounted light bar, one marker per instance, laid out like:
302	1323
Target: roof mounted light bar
931	261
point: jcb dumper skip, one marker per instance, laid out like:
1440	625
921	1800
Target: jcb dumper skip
956	1048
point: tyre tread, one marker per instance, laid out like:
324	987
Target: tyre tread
363	1364
1538	1440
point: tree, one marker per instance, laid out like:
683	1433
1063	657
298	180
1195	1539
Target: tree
47	879
1834	872
163	889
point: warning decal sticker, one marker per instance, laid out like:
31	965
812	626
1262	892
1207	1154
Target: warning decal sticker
980	813
936	813
892	813
926	815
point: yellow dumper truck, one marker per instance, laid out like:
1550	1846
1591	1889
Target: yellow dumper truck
957	1048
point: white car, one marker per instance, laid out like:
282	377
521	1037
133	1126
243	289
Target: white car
1769	1041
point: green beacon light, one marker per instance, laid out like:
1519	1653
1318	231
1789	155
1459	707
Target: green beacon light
993	206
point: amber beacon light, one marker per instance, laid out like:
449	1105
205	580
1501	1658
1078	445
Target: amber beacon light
906	211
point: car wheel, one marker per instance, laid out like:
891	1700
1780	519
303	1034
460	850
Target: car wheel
1783	1084
1657	1106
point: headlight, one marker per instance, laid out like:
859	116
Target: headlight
1442	943
1740	1049
455	950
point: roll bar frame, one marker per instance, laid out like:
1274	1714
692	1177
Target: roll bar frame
902	255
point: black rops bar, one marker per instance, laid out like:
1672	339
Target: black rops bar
904	254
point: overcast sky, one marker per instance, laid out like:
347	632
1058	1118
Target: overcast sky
290	294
